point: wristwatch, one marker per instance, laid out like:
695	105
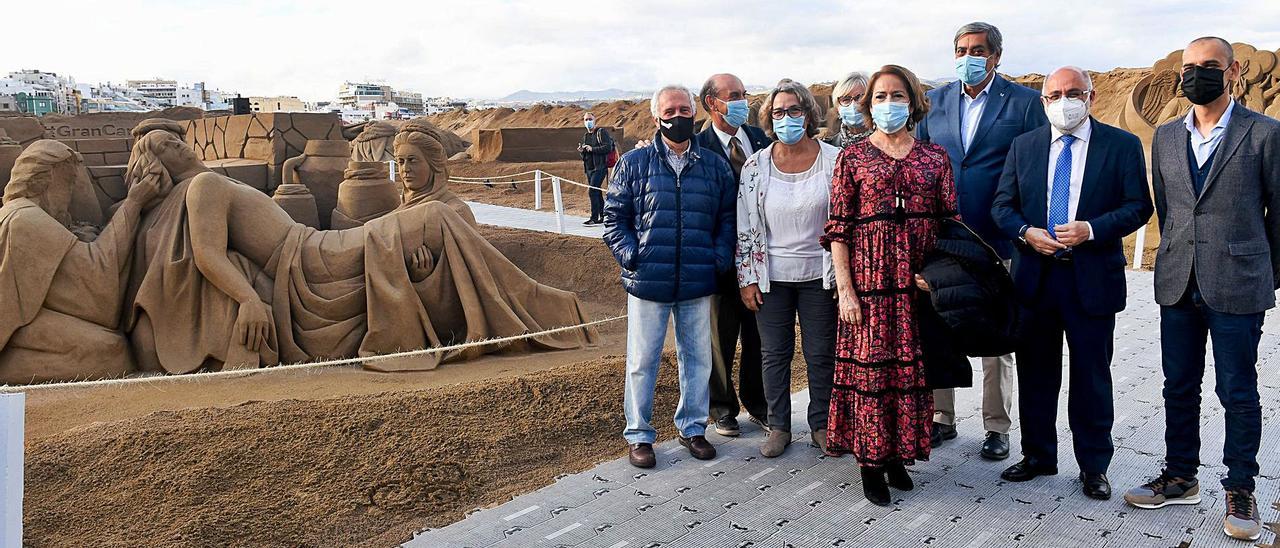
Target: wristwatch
1022	233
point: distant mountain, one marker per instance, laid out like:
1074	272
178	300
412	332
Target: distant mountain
526	96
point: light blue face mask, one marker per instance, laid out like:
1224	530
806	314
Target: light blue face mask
890	116
789	130
850	116
591	124
737	113
971	70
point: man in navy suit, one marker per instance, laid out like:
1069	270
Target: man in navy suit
1069	194
976	119
729	136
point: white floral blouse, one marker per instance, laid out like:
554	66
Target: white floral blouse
752	253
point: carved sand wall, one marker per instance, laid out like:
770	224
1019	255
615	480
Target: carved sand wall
530	144
252	148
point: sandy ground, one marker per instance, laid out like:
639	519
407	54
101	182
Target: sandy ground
339	456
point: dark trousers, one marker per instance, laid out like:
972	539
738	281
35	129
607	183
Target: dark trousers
1184	328
1090	407
777	323
732	321
595	179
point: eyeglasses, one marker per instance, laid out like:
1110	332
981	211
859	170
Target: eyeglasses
1070	94
846	100
794	111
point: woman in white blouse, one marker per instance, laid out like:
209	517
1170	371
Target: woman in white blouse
783	271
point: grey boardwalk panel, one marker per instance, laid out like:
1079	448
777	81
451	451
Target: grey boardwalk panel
528	219
804	499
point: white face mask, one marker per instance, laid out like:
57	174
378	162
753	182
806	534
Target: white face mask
1067	114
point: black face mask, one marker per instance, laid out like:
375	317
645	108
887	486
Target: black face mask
677	129
1203	85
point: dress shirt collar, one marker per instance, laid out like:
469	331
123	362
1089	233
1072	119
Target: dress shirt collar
965	95
1081	132
1190	122
724	137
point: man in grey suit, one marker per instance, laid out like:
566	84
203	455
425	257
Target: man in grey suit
1216	176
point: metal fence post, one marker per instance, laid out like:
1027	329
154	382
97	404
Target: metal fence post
555	191
537	189
1139	244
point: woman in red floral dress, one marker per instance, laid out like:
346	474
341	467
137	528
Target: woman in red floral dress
888	194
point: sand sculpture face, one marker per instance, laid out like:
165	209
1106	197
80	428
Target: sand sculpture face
421	164
46	174
413	169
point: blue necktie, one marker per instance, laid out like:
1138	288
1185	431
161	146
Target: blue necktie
1060	200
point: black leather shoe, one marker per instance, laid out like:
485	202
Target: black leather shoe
874	486
641	455
996	447
941	433
1096	486
1027	471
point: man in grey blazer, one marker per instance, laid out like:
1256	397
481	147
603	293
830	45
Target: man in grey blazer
1216	177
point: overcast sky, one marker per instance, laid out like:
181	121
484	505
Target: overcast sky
490	48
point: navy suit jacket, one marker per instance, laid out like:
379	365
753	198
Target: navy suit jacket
708	141
1113	198
1011	110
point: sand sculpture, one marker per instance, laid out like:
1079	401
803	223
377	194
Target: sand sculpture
223	278
297	201
63	296
366	194
423	168
9	151
374	143
319	169
1158	98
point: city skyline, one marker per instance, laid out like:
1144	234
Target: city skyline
491	48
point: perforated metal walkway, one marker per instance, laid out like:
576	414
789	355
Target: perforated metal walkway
529	219
803	499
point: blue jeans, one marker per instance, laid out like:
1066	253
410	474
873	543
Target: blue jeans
1183	331
646	331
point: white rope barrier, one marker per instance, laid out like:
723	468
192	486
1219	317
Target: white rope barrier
492	183
303	366
495	176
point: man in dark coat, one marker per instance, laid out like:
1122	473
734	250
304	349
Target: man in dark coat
595	148
1069	193
729	136
669	223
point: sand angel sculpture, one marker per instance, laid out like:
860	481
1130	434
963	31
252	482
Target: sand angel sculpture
223	278
62	296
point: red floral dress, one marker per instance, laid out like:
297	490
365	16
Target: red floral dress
887	211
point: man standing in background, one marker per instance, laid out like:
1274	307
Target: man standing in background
595	148
976	120
731	138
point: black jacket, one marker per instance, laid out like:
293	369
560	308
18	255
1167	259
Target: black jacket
710	141
971	310
601	144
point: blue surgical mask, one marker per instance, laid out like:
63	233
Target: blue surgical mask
971	70
591	124
789	130
737	113
890	116
850	116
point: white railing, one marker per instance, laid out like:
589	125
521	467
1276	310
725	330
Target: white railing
536	177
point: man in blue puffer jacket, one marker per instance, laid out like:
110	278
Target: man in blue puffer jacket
669	221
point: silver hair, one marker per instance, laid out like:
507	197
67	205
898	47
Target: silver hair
1088	80
653	103
850	81
994	41
807	102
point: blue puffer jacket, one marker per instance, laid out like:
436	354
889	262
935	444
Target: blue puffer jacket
672	234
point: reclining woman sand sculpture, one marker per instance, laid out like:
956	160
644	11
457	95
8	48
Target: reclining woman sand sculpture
224	278
61	297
